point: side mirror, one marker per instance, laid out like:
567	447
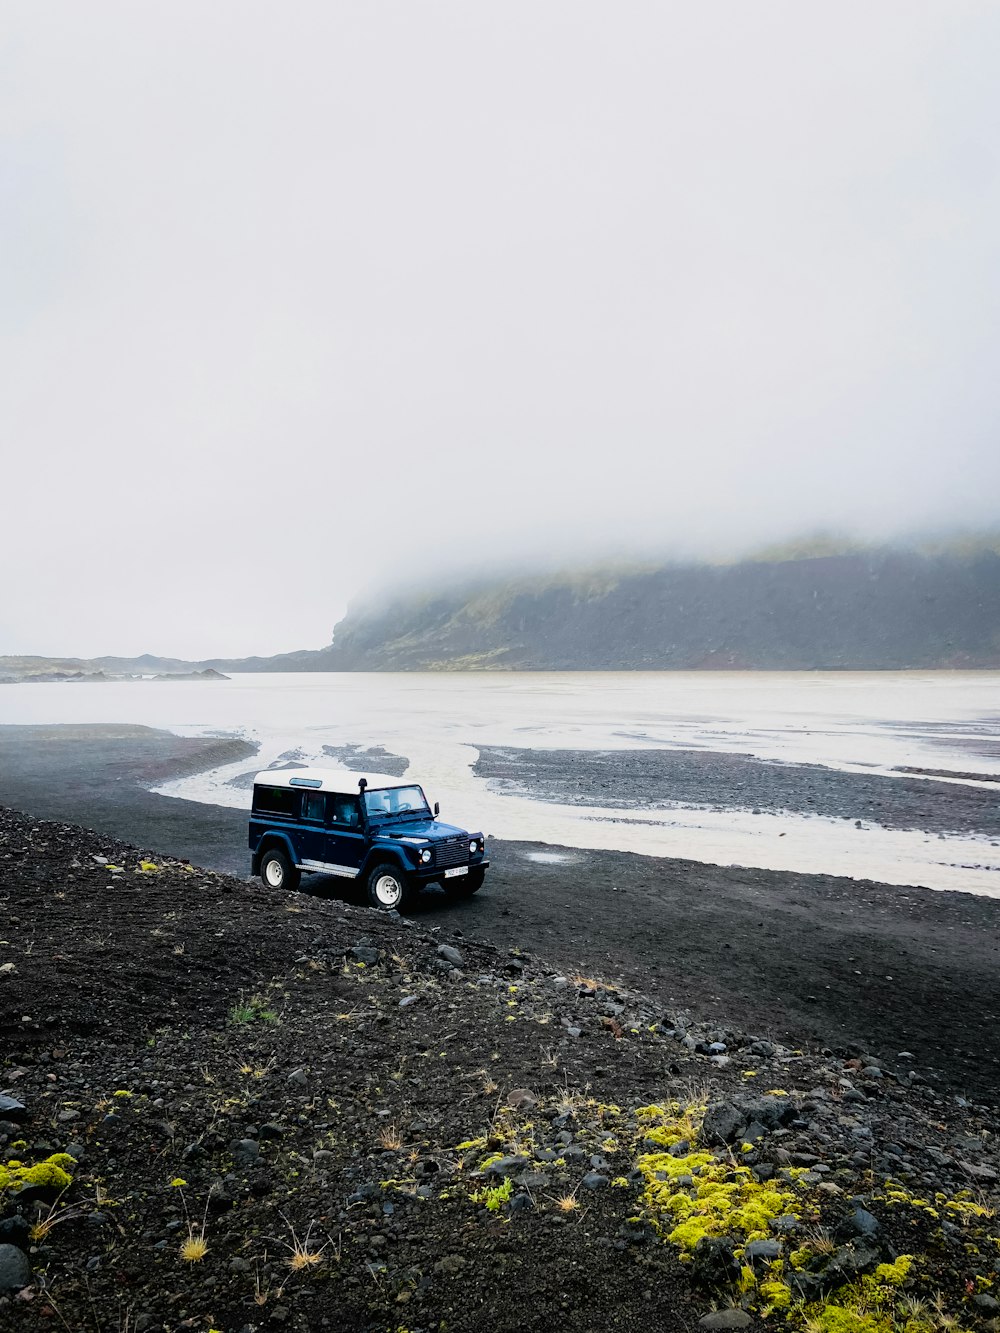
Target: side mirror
437	809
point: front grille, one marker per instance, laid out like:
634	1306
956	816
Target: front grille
453	852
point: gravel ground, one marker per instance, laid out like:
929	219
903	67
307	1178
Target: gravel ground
225	1108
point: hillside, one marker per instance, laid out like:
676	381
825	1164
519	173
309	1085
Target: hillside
874	609
866	610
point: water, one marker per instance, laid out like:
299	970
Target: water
870	722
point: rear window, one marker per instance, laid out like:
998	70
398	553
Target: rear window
277	801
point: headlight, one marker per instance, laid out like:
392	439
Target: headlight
473	846
425	855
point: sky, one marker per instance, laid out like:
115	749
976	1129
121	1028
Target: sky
300	300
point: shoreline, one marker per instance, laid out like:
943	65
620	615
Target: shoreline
801	957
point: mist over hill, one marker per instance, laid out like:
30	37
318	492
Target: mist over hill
866	610
872	609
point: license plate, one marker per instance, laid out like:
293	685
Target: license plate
459	870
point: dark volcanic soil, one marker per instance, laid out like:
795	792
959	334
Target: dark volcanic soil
371	1125
841	962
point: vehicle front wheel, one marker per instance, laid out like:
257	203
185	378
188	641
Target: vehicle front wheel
464	886
388	888
277	871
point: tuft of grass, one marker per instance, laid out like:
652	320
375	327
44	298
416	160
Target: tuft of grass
253	1009
194	1248
51	1219
493	1198
390	1138
303	1253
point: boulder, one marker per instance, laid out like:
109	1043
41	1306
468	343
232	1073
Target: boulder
15	1270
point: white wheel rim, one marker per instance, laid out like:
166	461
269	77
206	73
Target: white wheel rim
388	890
274	874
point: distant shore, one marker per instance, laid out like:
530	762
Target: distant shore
803	957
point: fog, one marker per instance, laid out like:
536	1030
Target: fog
297	299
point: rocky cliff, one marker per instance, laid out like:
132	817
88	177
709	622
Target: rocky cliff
869	610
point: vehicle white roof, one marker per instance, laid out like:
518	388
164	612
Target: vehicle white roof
343	780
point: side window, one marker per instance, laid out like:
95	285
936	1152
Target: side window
346	811
277	801
314	806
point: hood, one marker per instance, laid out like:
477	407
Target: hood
433	830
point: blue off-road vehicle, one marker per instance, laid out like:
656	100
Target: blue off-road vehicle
363	827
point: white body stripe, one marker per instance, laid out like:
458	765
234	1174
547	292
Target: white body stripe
329	868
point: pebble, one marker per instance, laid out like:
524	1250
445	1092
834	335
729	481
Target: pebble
725	1319
593	1180
13	1110
297	1078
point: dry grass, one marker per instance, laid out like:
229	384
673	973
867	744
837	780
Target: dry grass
195	1247
52	1218
390	1138
304	1254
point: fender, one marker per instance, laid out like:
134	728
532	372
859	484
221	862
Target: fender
267	841
377	855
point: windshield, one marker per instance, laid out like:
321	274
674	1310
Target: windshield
392	802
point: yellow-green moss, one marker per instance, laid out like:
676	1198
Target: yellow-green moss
702	1194
894	1275
776	1294
53	1173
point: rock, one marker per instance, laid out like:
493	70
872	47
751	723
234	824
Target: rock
245	1150
572	1032
407	1000
977	1171
725	1319
715	1264
450	1263
850	1261
986	1302
13	1110
364	953
760	1253
451	955
297	1078
521	1099
15	1271
270	1131
860	1224
15	1231
722	1123
507	1166
593	1180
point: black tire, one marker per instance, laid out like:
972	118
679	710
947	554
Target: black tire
389	888
277	871
464	886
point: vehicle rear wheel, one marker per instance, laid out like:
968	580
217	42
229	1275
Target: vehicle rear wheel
277	871
464	886
388	888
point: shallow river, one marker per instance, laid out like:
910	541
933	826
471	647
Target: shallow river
870	722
